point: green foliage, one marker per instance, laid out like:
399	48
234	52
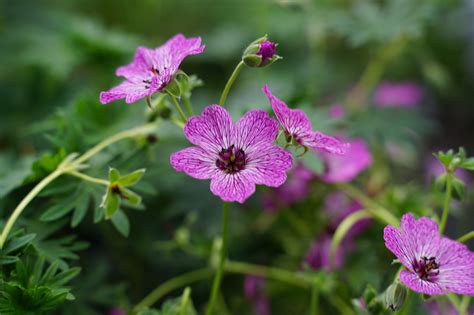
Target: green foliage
33	289
178	306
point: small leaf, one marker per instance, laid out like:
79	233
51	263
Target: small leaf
111	205
60	209
80	211
459	188
7	260
131	197
114	175
131	179
468	164
121	223
64	277
18	243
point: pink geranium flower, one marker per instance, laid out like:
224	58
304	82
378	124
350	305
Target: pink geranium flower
297	127
235	157
340	169
434	264
398	94
152	69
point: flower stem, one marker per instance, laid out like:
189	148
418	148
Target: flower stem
466	237
314	300
178	108
223	253
377	211
170	285
88	178
447	201
22	205
229	83
267	272
117	137
464	305
187	104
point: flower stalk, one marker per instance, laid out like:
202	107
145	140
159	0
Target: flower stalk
230	82
222	257
447	201
178	108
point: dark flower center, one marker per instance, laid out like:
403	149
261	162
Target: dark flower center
266	50
231	160
426	268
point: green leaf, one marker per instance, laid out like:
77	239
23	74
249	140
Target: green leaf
312	162
7	260
64	277
18	243
60	209
80	211
468	164
131	197
112	204
132	178
121	223
459	188
114	175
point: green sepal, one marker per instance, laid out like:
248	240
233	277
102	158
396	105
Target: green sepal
131	178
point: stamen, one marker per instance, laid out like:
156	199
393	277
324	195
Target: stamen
231	160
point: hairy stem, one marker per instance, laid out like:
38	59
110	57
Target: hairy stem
187	105
88	178
447	201
314	300
170	285
466	237
377	211
178	108
223	254
230	82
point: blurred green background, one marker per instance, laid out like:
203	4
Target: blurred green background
56	57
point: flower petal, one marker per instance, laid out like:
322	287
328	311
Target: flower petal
456	271
414	282
128	90
141	66
267	164
293	121
319	141
232	187
422	235
344	168
254	127
195	162
395	242
212	130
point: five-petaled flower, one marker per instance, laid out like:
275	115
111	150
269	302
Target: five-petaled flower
435	264
152	69
298	128
235	157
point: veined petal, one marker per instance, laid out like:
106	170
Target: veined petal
414	282
293	121
232	187
128	90
195	162
141	66
267	164
253	128
319	141
212	130
421	235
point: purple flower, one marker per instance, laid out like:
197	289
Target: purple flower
254	290
398	94
267	50
235	157
117	311
152	69
337	111
434	264
345	168
297	127
293	190
319	254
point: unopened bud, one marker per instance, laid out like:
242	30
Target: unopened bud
260	53
395	296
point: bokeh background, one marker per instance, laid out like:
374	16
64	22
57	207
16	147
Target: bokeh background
56	57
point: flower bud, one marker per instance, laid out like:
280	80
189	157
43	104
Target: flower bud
395	296
260	53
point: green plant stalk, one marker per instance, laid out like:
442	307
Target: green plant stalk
170	285
184	301
464	305
447	201
187	105
342	230
88	178
22	205
178	108
267	272
222	257
65	167
378	212
314	300
230	82
466	237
